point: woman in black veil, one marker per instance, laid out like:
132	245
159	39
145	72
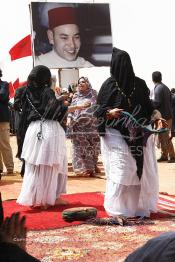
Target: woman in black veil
128	153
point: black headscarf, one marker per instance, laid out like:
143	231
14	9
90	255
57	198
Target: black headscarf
40	76
38	81
41	96
126	91
122	71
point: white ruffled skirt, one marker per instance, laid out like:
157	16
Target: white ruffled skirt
125	193
45	164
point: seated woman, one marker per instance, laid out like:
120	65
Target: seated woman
83	131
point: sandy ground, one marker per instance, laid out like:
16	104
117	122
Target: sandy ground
10	185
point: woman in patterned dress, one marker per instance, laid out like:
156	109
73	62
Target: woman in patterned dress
82	127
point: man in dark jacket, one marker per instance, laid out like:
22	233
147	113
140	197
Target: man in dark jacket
163	102
6	155
21	129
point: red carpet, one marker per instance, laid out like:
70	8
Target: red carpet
166	204
49	219
52	218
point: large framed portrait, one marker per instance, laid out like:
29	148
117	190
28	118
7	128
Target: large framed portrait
71	35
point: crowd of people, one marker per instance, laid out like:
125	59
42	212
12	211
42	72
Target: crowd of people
118	122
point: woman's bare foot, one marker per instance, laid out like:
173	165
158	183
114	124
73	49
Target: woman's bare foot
35	207
44	207
60	201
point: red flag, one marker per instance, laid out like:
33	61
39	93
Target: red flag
11	90
16	84
21	49
24	83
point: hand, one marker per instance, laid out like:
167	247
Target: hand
68	123
13	230
160	123
113	113
66	103
57	91
65	96
71	95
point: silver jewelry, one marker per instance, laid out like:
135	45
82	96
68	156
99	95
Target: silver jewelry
123	94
